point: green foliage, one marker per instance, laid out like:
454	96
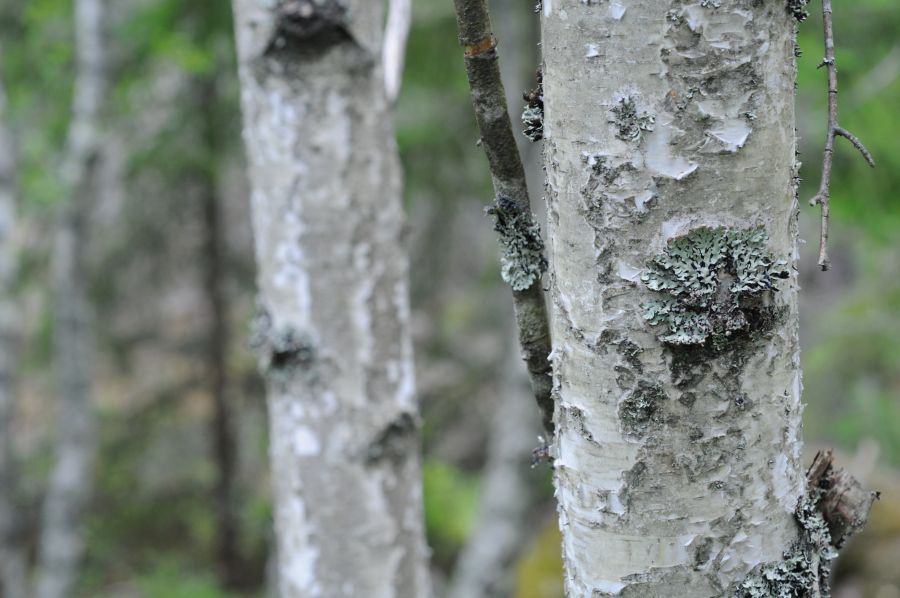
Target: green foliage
451	501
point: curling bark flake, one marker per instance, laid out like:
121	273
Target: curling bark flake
71	480
669	150
334	325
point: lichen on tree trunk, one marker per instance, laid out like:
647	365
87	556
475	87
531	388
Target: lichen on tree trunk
333	331
669	148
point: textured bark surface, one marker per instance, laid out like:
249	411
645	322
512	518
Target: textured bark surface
12	556
333	329
71	480
677	463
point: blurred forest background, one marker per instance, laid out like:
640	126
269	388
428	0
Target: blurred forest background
169	221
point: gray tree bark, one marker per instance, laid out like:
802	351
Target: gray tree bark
669	150
13	580
333	331
71	480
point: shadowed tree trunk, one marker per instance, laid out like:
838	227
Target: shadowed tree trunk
333	329
71	480
224	443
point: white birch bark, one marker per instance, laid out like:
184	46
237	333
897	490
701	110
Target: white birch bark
677	466
332	276
71	480
12	558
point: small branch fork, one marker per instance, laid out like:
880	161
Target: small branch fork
508	176
823	196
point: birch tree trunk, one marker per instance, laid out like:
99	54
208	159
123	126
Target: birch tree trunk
71	480
333	329
12	557
670	145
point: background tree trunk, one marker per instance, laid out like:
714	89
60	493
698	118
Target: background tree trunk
333	329
71	481
13	578
678	449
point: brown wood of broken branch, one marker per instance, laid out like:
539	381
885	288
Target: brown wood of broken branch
843	502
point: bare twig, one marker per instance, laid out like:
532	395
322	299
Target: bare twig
823	196
508	175
396	32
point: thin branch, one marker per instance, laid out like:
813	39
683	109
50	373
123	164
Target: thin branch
393	53
508	175
823	196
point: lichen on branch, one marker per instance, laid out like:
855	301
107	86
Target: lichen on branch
713	282
523	262
533	114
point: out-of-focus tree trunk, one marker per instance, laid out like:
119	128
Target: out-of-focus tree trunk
486	565
333	332
71	480
13	580
669	149
224	443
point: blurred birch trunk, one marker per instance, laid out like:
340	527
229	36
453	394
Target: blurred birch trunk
13	580
333	329
71	480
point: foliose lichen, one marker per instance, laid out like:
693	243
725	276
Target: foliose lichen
806	565
523	262
630	124
797	9
533	114
713	282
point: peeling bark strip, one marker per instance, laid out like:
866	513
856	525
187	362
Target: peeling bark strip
333	333
669	146
511	190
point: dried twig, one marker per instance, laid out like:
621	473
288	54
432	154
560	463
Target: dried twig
823	196
508	175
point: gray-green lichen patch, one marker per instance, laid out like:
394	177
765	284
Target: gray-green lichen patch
631	124
713	283
806	567
797	9
523	262
641	407
835	507
533	114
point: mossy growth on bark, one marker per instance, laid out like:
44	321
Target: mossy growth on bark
630	123
523	262
715	285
